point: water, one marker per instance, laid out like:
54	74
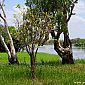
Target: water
78	52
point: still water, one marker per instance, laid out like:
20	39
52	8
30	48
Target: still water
78	52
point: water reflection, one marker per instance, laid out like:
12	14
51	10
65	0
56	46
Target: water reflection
78	52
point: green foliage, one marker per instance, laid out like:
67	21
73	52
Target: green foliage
50	5
61	10
34	32
35	28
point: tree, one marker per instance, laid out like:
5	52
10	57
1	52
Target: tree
34	32
61	10
11	53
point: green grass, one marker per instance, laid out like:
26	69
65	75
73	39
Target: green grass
23	57
49	71
3	58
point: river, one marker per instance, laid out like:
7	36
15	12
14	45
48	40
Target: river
78	52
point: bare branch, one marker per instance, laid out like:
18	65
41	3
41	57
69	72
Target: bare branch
1	5
71	10
36	51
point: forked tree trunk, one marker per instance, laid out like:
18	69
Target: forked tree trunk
65	50
68	54
11	53
12	59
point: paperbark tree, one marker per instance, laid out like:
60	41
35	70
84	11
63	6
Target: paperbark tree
12	58
61	10
65	50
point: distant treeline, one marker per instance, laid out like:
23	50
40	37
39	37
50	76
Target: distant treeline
78	42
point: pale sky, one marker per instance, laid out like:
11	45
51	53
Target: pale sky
76	24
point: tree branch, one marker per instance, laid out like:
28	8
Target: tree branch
71	10
1	5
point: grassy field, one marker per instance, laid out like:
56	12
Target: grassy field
49	71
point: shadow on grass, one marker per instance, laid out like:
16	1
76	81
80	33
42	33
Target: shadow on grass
50	63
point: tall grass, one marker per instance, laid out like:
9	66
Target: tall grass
49	71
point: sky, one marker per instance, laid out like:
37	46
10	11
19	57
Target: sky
76	23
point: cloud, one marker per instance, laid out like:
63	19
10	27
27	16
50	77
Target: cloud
9	14
17	11
77	27
80	7
77	22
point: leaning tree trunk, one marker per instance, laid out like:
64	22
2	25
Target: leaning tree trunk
12	57
68	54
65	50
5	46
67	57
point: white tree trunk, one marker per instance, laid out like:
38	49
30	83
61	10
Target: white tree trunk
12	58
12	51
6	48
11	43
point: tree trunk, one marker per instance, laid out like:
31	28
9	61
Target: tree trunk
11	57
5	46
65	53
68	54
67	58
65	50
32	55
33	66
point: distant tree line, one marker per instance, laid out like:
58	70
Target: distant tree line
78	42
